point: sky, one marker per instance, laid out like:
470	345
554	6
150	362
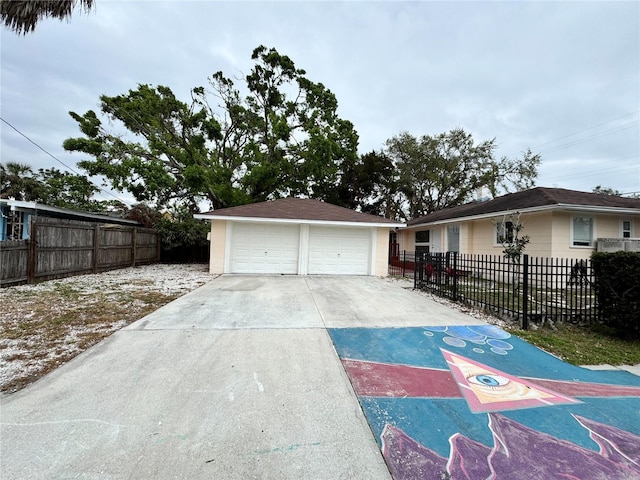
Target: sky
561	78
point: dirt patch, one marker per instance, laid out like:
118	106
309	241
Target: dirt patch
45	325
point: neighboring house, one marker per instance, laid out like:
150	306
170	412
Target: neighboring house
559	223
15	215
298	236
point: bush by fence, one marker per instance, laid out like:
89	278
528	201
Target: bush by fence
617	289
533	289
60	248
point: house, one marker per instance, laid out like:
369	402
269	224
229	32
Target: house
298	236
15	215
559	223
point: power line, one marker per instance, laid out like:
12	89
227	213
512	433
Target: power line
587	129
588	139
62	163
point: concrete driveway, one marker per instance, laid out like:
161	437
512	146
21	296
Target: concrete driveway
237	379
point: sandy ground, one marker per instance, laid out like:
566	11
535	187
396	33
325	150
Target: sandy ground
47	324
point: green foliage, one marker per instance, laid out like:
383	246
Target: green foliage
22	16
608	191
181	230
366	183
436	172
513	244
617	286
67	190
588	345
144	214
17	181
283	138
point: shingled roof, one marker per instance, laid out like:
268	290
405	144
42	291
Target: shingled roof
302	209
530	199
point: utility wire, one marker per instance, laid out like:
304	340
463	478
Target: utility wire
62	163
593	137
586	129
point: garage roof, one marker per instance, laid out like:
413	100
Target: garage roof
298	210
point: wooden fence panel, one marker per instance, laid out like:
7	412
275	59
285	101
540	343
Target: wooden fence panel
13	262
60	248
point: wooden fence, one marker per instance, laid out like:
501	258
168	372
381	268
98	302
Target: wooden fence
62	248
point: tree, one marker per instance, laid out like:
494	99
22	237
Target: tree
283	138
17	181
513	243
436	172
67	190
367	184
22	16
606	191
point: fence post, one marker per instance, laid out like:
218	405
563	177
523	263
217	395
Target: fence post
404	261
134	246
32	252
455	276
96	247
525	292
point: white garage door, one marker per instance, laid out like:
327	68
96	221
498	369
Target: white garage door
264	248
341	251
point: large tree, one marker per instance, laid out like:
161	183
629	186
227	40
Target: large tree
68	190
17	181
22	16
436	172
282	138
367	183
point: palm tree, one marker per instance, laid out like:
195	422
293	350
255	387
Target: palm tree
17	181
21	16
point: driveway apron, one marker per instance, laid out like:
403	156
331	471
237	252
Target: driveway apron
268	377
237	379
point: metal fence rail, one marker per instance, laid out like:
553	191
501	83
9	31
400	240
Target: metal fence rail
538	289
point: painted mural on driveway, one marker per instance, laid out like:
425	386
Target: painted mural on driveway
474	402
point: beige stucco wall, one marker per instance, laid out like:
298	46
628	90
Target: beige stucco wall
218	237
381	253
218	240
549	234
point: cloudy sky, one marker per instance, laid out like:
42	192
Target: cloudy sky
561	78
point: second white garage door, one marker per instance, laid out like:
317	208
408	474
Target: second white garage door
339	251
264	248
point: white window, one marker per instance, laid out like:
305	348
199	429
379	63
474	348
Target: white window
14	226
626	229
422	241
581	231
453	238
504	232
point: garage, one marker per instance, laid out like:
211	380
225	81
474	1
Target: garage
339	251
297	236
264	248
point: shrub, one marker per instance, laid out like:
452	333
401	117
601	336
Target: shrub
617	286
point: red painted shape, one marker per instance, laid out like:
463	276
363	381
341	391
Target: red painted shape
373	379
585	389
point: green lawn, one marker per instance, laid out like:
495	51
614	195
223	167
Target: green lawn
583	345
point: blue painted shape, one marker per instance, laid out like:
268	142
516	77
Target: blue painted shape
432	422
501	344
465	333
490	331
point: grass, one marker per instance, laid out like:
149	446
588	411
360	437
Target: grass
55	326
583	345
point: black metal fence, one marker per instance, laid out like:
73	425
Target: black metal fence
535	289
402	264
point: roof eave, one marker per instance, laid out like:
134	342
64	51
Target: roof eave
20	204
204	216
543	208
